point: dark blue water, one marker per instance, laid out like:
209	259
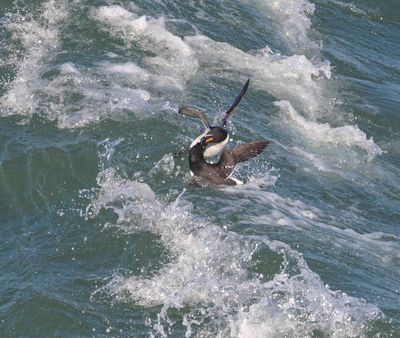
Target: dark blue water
101	232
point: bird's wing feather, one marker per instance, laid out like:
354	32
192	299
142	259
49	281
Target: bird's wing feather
230	158
235	104
247	151
194	112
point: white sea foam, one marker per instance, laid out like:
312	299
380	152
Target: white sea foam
323	133
166	165
109	89
176	61
298	304
127	69
208	274
350	6
383	249
162	74
109	148
293	18
97	99
173	63
68	69
293	78
40	38
285	212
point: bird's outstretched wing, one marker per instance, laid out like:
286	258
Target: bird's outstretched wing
194	112
197	113
246	151
235	104
230	158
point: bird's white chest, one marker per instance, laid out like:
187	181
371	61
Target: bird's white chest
211	150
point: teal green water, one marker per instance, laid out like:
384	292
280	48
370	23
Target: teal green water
101	232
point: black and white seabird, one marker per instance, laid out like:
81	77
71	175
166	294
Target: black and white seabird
220	173
212	143
215	148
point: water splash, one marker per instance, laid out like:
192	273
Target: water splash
292	17
40	39
322	133
208	275
173	64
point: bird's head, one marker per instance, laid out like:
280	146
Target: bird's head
214	141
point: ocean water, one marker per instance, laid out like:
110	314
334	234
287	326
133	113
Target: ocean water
101	232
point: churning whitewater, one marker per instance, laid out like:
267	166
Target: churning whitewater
102	232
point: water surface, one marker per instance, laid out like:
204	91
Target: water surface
101	232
